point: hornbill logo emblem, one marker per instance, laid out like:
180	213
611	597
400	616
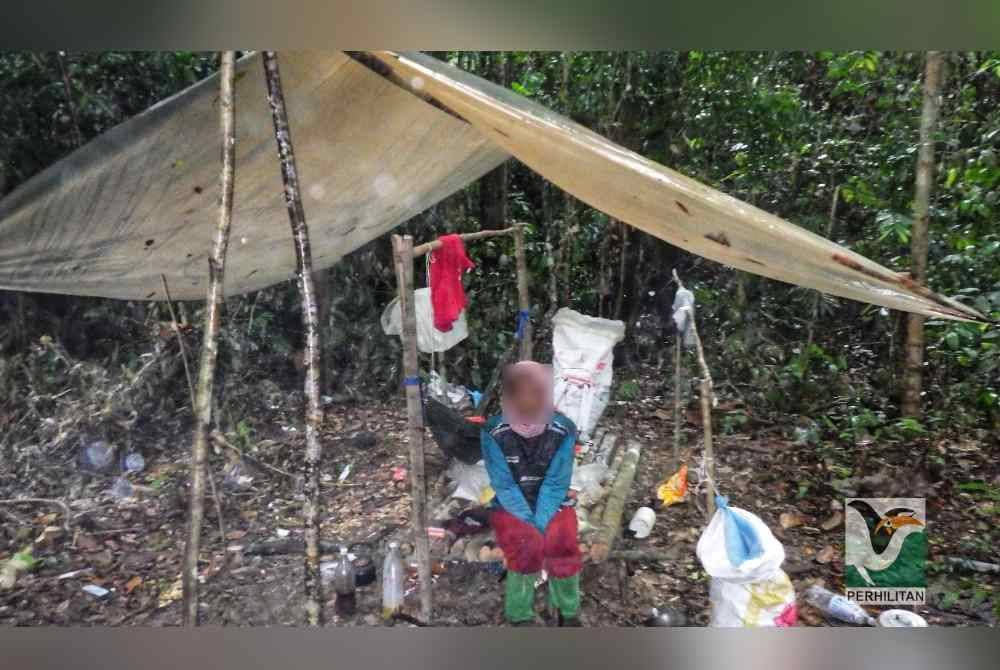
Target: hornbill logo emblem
880	547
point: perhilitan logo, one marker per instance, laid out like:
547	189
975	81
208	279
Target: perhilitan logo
886	550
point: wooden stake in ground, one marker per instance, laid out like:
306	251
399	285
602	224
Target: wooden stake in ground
707	393
310	324
402	248
209	347
914	348
523	296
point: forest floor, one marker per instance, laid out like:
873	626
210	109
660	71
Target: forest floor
133	547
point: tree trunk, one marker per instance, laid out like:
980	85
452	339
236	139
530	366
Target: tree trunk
209	348
310	325
321	280
523	295
914	348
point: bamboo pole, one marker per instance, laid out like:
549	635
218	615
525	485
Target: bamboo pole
403	255
310	324
427	247
523	296
209	350
677	401
614	506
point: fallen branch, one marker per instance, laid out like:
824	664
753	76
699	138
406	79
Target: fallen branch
45	501
219	439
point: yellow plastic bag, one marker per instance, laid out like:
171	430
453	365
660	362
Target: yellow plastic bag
486	496
674	490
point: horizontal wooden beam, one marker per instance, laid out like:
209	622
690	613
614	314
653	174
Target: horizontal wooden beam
427	247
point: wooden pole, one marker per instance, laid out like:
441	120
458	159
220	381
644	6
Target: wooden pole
403	253
427	247
707	402
310	324
209	349
523	296
677	401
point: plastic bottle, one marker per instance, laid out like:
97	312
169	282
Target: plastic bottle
837	606
393	577
343	584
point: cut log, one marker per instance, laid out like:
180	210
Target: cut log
614	507
974	566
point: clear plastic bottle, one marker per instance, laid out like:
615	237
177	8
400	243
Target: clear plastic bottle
837	606
343	584
393	577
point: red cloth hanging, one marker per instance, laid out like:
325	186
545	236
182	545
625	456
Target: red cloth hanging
448	262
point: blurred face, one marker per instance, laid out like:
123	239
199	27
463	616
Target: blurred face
528	397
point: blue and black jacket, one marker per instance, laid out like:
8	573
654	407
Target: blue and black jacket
531	476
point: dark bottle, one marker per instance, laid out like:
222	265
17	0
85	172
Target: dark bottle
344	585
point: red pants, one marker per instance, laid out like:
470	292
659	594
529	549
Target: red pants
527	551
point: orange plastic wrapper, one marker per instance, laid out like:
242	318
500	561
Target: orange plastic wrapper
674	490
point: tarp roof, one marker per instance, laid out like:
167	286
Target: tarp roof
379	138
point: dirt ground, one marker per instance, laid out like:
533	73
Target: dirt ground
132	547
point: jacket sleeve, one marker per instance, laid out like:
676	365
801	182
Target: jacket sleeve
556	483
508	493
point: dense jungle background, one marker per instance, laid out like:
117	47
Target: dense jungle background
783	131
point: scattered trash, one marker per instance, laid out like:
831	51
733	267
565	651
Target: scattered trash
469	522
97	456
122	489
393	577
472	480
587	479
667	617
642	523
901	619
399	473
674	489
748	587
23	561
98	592
282	532
74	573
345	473
487	496
345	586
837	606
134	462
237	477
364	571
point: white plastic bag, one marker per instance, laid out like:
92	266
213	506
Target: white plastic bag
582	358
743	558
472	479
429	338
763	603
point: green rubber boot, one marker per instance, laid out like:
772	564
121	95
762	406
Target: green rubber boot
519	598
564	594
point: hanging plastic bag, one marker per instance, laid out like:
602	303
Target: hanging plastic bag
582	357
684	315
743	558
674	489
429	338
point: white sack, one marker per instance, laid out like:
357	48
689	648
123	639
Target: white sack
582	360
